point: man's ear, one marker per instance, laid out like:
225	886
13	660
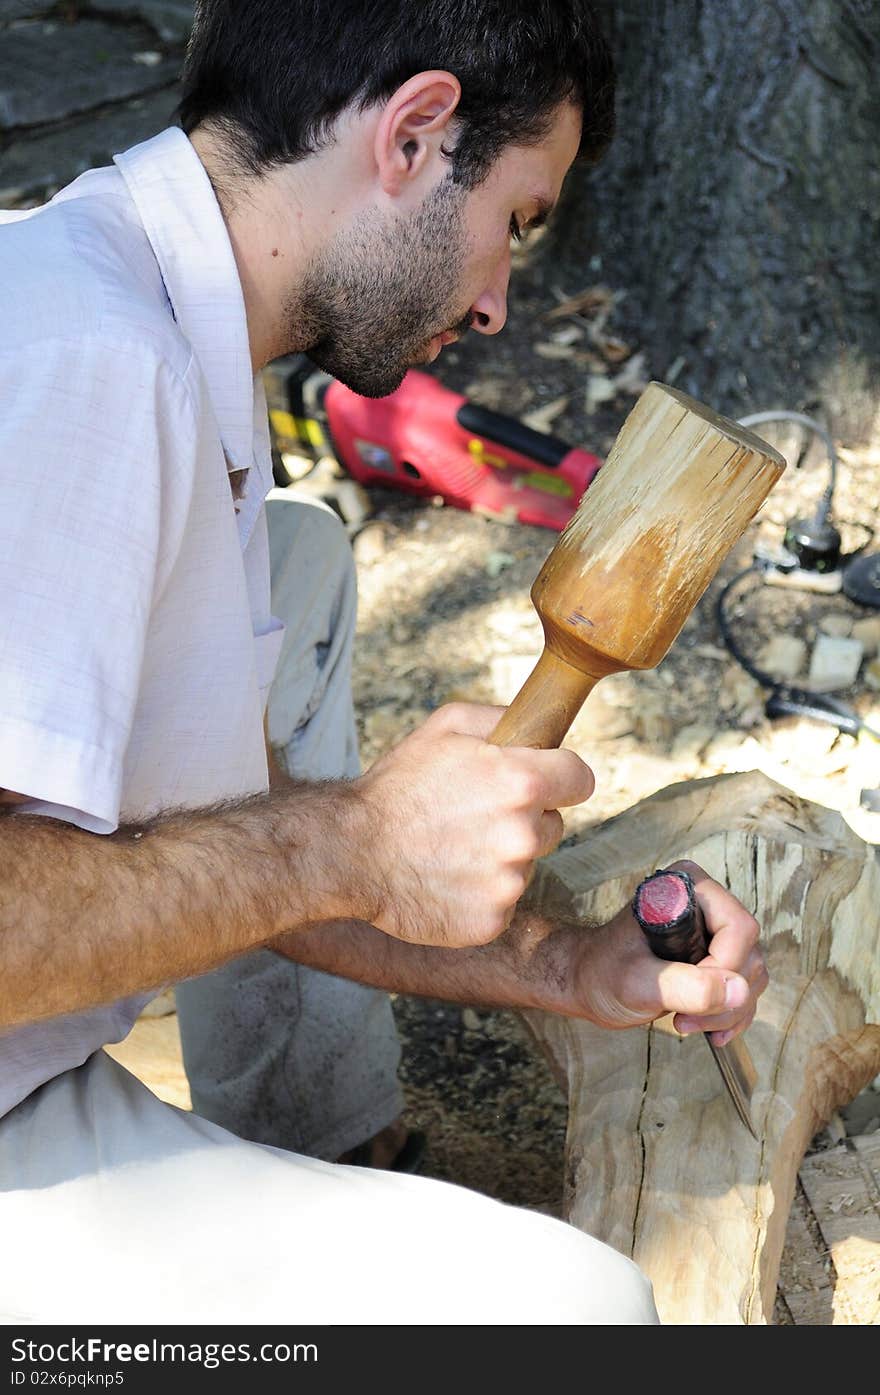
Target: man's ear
414	127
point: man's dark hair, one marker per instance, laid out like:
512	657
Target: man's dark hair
275	74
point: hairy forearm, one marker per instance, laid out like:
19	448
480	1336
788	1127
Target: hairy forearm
434	845
86	919
550	961
526	967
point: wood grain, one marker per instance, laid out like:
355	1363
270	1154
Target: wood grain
657	1163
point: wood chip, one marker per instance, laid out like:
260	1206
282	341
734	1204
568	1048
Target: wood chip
542	418
586	302
615	350
556	351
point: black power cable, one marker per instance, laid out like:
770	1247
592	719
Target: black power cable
814	543
784	699
816	546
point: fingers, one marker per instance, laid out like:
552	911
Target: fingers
701	997
551	830
734	950
537	780
720	995
463	823
568	779
734	932
556	779
701	994
535	839
739	1006
465	719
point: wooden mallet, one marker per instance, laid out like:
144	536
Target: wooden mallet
677	490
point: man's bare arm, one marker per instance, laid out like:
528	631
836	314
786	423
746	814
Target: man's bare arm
86	919
435	844
604	974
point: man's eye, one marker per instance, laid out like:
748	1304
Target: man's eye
516	231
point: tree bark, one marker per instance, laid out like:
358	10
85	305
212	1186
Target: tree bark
739	205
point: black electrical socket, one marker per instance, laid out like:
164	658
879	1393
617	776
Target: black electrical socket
816	544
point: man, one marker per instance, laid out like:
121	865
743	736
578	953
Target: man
347	185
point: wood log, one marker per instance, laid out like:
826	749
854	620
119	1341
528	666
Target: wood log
657	1162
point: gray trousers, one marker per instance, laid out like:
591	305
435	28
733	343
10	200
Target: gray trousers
274	1052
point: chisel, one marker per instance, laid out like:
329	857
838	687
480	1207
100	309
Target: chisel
666	907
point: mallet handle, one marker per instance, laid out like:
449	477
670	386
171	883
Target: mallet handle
545	706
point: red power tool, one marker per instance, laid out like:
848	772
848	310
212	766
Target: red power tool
426	440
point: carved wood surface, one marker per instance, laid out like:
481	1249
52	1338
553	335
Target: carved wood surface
657	1163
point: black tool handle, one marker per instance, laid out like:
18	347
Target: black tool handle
684	937
515	435
819	707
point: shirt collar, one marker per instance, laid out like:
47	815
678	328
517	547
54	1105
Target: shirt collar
181	217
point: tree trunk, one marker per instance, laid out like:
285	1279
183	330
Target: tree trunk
739	205
657	1162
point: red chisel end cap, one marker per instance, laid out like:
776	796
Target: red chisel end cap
662	899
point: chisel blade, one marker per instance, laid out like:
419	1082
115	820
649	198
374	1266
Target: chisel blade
739	1075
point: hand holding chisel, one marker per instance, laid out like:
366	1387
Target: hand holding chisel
667	909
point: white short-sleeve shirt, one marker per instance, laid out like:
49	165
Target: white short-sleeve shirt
136	640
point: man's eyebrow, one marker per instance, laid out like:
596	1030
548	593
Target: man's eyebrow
544	208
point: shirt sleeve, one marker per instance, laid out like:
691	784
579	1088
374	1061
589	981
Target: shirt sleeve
86	429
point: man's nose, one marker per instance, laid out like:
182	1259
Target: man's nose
490	308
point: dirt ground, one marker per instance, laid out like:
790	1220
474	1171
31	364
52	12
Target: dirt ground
445	614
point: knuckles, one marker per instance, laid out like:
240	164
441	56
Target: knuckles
450	717
527	788
583	781
462	719
751	929
707	997
491	809
521	843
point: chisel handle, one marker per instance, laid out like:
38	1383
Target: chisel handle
682	936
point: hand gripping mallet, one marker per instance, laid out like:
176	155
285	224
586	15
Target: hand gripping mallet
676	492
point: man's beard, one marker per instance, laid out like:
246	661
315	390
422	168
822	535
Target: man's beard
371	302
